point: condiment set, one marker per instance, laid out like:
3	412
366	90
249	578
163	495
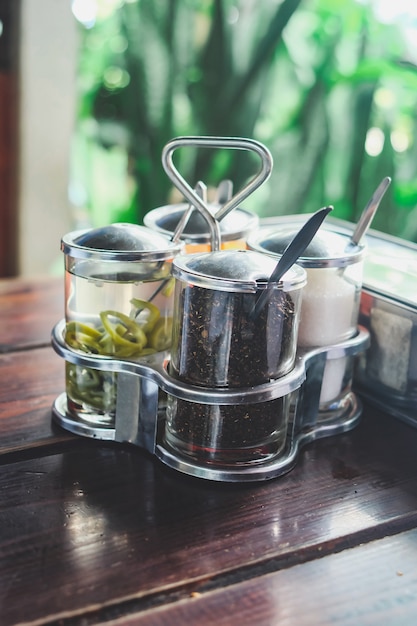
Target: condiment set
221	363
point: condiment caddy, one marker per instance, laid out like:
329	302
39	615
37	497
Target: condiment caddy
163	351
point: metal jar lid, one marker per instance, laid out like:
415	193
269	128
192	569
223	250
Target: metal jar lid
235	225
329	248
234	270
119	242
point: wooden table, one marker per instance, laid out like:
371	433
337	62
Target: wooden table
95	533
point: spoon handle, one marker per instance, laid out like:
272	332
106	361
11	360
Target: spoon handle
300	242
291	253
369	211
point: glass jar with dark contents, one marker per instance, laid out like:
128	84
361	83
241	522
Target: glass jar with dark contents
218	342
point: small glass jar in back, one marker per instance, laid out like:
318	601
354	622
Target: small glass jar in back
235	227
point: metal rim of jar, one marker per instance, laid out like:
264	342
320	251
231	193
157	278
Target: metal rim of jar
70	248
355	255
181	272
152	220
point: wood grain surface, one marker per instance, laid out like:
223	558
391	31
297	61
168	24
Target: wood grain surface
28	311
105	528
30	381
372	584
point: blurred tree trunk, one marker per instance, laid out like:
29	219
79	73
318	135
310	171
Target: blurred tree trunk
9	18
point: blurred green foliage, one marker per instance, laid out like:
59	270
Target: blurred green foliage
328	88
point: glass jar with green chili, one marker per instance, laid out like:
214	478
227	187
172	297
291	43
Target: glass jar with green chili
118	303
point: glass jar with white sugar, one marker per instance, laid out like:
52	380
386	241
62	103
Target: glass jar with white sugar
331	298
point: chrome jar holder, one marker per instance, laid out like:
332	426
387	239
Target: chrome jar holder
139	418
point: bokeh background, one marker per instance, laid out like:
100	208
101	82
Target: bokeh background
329	86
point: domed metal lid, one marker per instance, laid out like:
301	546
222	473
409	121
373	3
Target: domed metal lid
119	242
329	248
233	226
234	270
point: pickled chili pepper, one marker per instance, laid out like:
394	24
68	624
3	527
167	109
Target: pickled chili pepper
90	386
152	311
160	337
82	337
142	333
127	336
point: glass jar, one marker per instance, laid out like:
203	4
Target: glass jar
331	298
118	303
234	227
217	342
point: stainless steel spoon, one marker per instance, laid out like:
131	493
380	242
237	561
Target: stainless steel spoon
290	255
369	211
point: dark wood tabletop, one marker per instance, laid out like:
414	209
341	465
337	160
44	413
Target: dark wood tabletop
94	532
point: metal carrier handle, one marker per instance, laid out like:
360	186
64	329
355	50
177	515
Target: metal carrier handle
234	143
